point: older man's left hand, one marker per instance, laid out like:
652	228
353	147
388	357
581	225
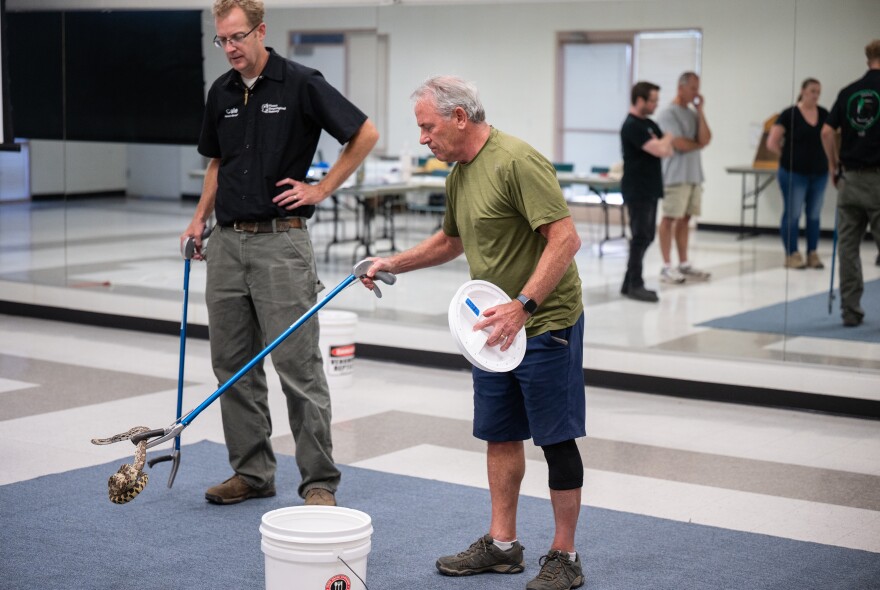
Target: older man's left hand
506	320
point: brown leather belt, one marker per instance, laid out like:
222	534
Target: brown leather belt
269	227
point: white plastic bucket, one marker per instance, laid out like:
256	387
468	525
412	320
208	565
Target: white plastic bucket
337	345
305	547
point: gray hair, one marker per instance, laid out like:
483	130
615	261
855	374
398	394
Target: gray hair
450	92
686	78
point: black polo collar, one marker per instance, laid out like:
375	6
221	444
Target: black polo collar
274	70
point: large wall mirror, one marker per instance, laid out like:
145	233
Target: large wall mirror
90	223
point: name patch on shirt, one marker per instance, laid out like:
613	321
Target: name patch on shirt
271	109
231	113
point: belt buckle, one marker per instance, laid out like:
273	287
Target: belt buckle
239	226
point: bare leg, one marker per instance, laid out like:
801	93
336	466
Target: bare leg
682	233
506	464
664	237
566	509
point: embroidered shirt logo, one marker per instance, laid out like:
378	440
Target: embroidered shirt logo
271	109
863	110
231	113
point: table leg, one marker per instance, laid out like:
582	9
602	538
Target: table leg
758	189
607	229
335	239
361	226
369	214
742	211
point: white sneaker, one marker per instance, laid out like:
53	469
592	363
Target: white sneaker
693	274
671	275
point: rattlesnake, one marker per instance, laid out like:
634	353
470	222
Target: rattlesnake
129	480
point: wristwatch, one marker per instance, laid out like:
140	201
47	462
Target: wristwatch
530	305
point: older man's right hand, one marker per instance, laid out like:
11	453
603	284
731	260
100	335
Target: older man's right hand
379	264
195	230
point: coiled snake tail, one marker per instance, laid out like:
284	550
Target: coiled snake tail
124	485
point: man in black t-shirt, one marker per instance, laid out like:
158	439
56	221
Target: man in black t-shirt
644	145
263	119
856	171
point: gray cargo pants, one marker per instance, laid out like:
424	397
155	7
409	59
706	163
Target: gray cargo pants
858	205
257	286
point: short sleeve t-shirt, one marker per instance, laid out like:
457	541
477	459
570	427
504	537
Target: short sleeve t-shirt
681	167
642	175
857	113
802	150
495	203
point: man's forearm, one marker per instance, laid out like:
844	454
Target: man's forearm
660	148
208	198
829	143
435	250
563	243
355	151
684	145
704	134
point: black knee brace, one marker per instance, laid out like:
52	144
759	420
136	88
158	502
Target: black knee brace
565	465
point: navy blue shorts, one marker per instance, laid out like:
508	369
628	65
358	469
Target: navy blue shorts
542	399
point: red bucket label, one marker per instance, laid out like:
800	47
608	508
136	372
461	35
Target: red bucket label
341	359
338	582
344	350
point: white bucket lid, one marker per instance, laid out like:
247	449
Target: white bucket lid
337	317
316	524
465	308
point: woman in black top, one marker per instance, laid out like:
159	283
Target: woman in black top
803	171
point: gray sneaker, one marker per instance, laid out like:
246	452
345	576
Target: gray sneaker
481	557
670	275
693	274
558	572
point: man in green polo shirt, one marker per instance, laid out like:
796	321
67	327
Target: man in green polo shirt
506	213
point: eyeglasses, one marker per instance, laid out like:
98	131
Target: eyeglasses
236	39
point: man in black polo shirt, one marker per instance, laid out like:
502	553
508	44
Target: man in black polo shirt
856	173
262	123
644	144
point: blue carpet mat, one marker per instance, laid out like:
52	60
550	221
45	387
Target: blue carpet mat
809	316
61	532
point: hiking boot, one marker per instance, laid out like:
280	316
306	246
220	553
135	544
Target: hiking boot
320	497
670	275
642	294
795	260
235	490
813	260
558	572
851	321
692	273
481	557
